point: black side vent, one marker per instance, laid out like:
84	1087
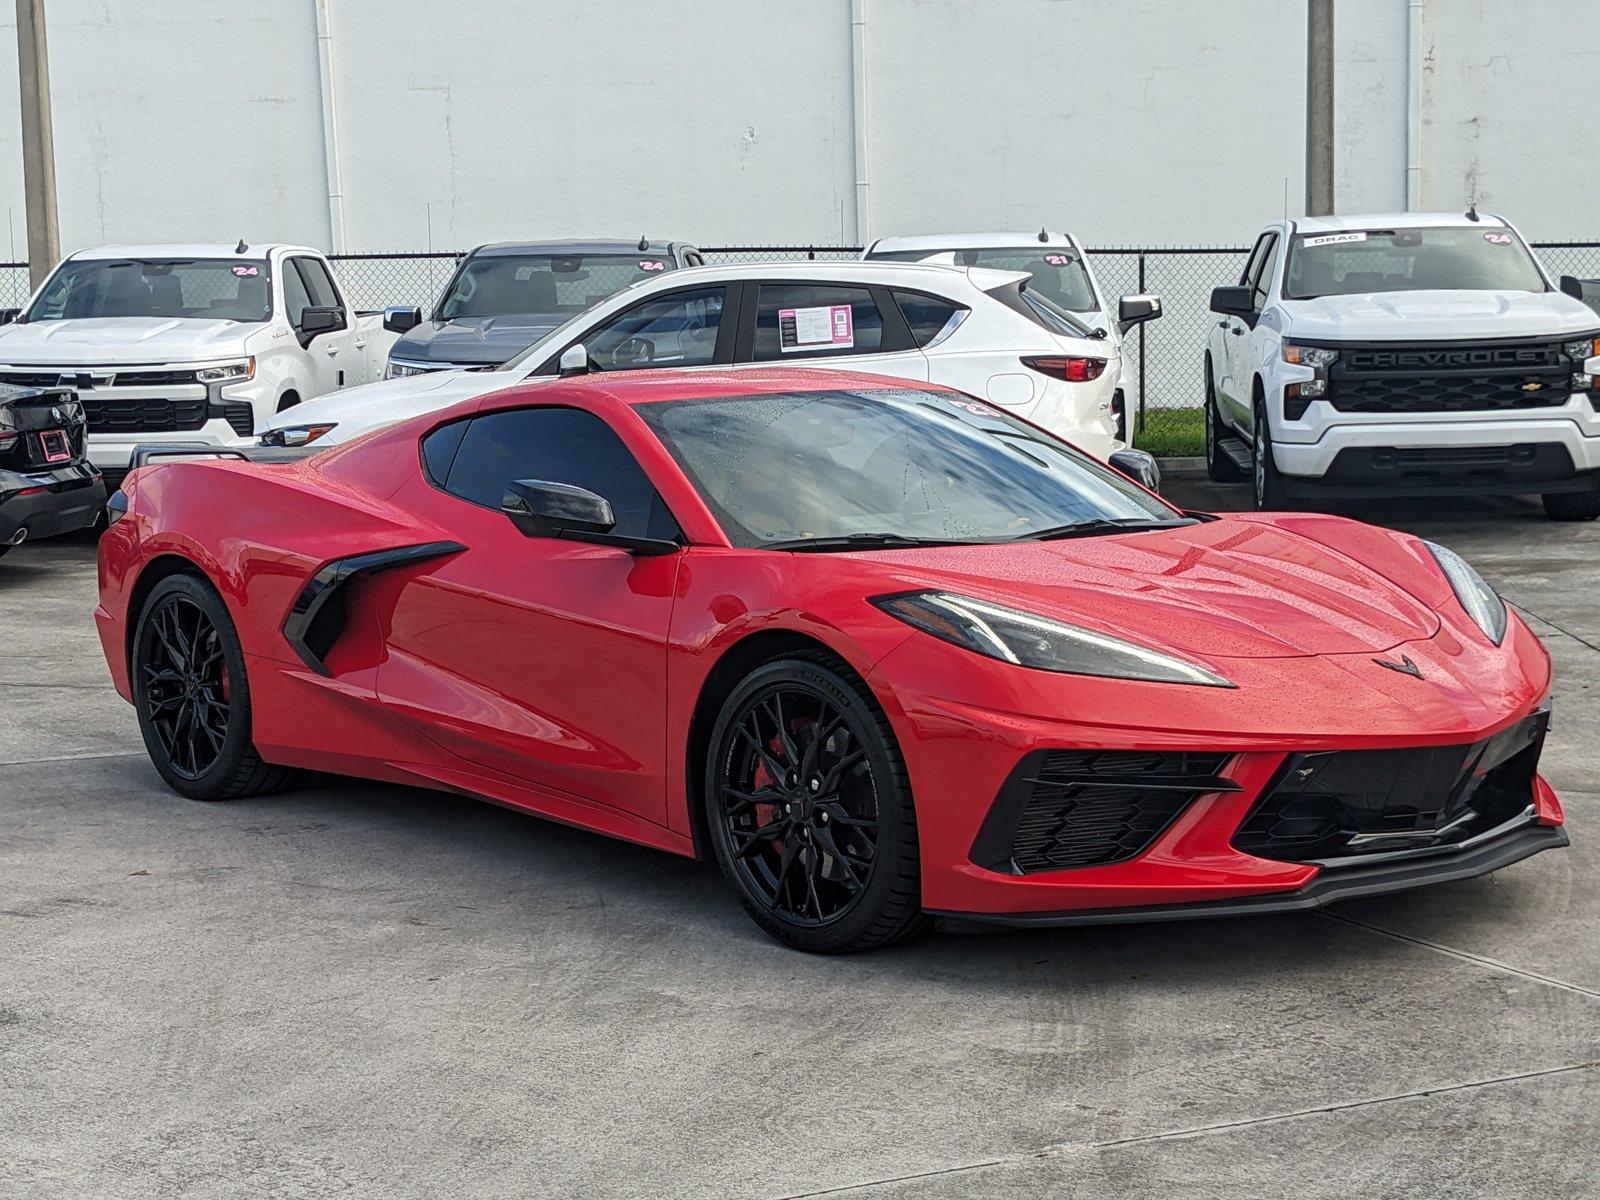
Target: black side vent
1086	808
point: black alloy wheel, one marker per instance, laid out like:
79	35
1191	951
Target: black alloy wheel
810	814
192	696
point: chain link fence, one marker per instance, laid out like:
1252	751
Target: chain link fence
1162	360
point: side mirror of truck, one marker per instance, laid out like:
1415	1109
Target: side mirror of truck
8	315
1236	300
1572	286
402	320
574	360
318	318
1133	310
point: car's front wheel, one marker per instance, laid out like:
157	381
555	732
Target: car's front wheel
1267	483
810	811
192	696
1572	506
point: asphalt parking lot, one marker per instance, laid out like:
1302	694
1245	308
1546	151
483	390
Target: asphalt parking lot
354	990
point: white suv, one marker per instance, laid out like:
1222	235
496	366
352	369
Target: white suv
1058	269
983	332
1418	353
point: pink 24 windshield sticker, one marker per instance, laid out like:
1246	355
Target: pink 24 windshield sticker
1499	239
652	264
825	327
244	272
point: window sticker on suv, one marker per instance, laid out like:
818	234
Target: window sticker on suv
830	325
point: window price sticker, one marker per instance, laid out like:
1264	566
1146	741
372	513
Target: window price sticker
826	327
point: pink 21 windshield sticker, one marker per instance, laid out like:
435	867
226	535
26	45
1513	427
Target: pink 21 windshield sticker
825	327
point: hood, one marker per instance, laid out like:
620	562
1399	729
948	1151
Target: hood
1220	589
1442	315
359	410
486	341
97	341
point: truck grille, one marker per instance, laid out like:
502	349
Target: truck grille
1349	804
144	415
49	377
1085	808
1448	377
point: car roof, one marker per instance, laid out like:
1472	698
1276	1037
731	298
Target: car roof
1408	220
189	250
970	241
852	270
664	385
578	246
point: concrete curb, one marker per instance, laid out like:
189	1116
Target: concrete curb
1182	468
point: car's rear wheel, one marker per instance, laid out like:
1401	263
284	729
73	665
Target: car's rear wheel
1572	506
810	811
192	695
1219	466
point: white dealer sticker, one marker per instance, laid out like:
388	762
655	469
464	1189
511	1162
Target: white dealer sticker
830	327
1329	239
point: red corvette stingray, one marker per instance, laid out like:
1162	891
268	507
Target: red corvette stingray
880	648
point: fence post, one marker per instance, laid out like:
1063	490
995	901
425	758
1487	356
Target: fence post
1141	348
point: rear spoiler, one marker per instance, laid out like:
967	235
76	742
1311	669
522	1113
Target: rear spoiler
144	454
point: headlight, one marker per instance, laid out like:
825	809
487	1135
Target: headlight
233	372
399	370
1483	605
1582	350
296	435
1315	357
1028	640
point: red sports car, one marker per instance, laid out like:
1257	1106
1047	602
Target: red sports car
883	650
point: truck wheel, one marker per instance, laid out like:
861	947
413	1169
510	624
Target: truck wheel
1268	484
1572	506
1219	466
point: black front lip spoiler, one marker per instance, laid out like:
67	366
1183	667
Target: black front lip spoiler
1348	883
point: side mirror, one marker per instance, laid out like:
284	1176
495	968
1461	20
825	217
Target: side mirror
1235	301
540	508
574	360
315	319
1137	464
8	315
1132	310
402	320
1572	286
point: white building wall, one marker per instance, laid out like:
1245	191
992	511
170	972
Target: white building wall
729	121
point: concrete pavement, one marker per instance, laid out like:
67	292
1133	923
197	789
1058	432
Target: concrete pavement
364	991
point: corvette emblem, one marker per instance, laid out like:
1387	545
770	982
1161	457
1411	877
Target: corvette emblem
1405	666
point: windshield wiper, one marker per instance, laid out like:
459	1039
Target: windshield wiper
861	541
1098	525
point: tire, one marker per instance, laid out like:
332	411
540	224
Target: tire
1219	466
799	752
1266	483
1572	506
192	695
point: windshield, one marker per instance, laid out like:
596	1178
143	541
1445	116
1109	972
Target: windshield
498	285
215	289
1409	260
909	463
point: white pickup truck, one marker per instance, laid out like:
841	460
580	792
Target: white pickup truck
189	345
1413	353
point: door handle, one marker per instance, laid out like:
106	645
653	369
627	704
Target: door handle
332	350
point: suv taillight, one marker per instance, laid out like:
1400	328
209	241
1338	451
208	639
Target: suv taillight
1071	368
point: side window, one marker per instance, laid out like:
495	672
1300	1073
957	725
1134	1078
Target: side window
676	330
559	445
931	318
807	320
296	299
1253	263
1262	283
319	284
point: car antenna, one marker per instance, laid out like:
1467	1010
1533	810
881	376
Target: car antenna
644	243
241	247
1472	212
1044	234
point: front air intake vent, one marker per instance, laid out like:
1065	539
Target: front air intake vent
1087	808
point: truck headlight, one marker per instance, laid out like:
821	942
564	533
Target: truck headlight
231	372
1581	353
1315	357
1297	397
399	370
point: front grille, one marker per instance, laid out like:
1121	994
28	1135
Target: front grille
1084	808
97	377
1448	377
144	415
1350	804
